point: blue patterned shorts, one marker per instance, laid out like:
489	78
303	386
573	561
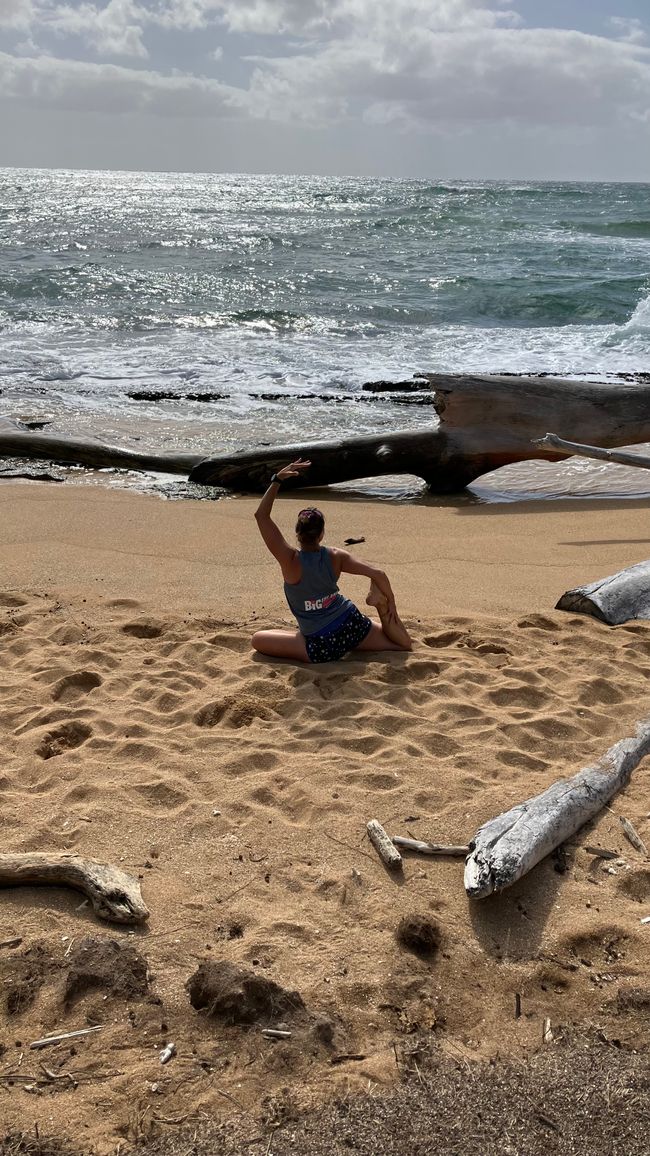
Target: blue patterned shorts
336	640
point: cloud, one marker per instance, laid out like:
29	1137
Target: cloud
16	14
427	77
338	17
107	88
629	29
428	65
114	30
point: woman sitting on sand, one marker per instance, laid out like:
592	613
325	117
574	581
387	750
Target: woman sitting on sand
330	625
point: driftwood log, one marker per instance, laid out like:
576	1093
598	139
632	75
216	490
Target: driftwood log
424	848
384	845
507	847
619	598
114	895
484	422
17	440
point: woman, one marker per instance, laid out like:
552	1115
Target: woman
330	625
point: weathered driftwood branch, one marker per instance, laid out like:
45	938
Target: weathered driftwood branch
383	845
485	422
51	1041
429	848
18	441
507	847
114	894
618	457
616	599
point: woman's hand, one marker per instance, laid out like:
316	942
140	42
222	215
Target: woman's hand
293	470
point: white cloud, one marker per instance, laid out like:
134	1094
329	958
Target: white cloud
16	13
114	30
629	29
425	77
427	64
314	17
107	88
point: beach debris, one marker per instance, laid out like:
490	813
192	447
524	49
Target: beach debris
353	541
646	919
15	942
115	896
109	964
619	598
419	934
510	845
239	995
547	1031
601	853
167	1053
384	846
276	1034
51	1041
633	837
425	848
348	1057
517	1005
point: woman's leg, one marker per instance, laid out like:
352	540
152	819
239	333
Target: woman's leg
376	639
392	626
281	644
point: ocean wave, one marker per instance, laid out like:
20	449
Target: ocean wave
631	229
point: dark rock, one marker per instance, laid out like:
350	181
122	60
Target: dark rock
109	964
419	934
239	996
392	386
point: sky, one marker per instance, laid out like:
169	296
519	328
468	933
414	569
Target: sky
483	89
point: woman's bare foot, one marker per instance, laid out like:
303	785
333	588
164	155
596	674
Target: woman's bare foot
391	623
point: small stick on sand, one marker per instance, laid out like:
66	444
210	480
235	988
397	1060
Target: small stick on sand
384	846
547	1034
633	836
50	1041
601	853
15	942
429	848
275	1034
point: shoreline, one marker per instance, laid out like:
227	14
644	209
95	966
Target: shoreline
471	558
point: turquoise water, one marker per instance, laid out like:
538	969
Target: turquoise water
282	295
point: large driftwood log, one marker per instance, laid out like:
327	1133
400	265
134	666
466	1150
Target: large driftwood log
619	598
485	422
114	894
507	847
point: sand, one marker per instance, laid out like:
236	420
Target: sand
137	726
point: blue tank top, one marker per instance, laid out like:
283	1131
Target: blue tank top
314	599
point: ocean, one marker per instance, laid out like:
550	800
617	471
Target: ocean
209	312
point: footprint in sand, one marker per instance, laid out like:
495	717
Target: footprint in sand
12	600
143	628
636	886
64	738
75	685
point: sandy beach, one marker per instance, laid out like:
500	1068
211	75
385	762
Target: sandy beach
139	728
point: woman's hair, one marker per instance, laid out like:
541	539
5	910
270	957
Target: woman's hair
310	526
